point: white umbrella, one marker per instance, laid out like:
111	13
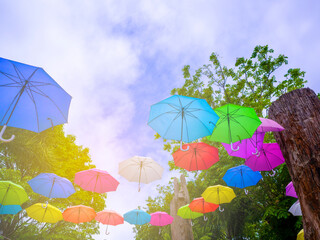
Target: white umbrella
295	209
140	169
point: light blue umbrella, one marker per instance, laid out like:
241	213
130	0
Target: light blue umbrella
182	118
51	185
241	177
137	217
10	209
30	99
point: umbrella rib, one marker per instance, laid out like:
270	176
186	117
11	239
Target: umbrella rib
19	72
9	76
35	105
10	85
12	102
171	124
162	115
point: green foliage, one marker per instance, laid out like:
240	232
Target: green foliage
30	154
252	82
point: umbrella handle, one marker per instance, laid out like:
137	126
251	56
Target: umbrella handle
42	205
205	218
237	149
184	150
192	224
107	233
159	231
1	134
221	209
246	191
257	153
273	173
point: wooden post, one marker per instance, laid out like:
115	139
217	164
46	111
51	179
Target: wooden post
299	113
181	229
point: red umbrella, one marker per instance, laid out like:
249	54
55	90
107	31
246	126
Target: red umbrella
201	206
200	156
109	217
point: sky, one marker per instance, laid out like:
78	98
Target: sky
118	57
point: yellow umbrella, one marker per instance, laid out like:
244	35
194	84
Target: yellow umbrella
44	213
218	194
300	235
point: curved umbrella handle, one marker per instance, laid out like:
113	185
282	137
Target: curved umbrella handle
1	134
246	191
257	153
42	205
107	233
237	149
273	173
184	150
192	224
159	231
205	218
221	209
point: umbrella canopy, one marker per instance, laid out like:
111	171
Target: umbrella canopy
300	235
270	157
137	217
140	169
182	118
160	219
247	147
51	185
201	206
186	213
30	98
96	180
10	209
44	213
109	217
235	123
290	191
79	214
199	157
218	194
295	209
241	177
268	125
12	194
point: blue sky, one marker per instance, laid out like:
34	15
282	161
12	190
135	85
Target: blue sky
116	58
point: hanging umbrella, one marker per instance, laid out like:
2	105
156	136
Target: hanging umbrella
235	123
79	214
160	219
30	98
10	209
268	125
290	191
182	118
12	194
44	213
218	194
300	235
96	180
109	217
140	169
186	213
137	217
241	177
199	157
269	158
51	185
247	147
201	206
295	209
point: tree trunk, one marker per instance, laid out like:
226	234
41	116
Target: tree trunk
299	113
181	229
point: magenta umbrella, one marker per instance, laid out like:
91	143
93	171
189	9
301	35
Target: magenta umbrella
268	125
247	147
160	219
270	157
290	191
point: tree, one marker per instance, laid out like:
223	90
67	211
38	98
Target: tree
263	214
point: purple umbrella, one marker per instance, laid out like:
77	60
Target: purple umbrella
270	157
268	125
247	147
290	191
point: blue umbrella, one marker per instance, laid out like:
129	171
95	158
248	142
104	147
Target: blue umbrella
10	209
137	217
30	99
241	177
52	186
182	118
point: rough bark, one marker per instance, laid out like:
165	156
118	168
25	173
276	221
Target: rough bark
181	229
299	113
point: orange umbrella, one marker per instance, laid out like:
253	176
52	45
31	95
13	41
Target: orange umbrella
201	206
79	214
109	217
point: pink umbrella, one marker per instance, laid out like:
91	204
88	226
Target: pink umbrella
247	147
270	157
109	217
290	191
268	125
160	219
96	180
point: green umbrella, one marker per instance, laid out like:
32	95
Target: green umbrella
186	213
12	194
235	123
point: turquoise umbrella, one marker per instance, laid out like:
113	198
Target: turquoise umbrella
10	209
137	217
